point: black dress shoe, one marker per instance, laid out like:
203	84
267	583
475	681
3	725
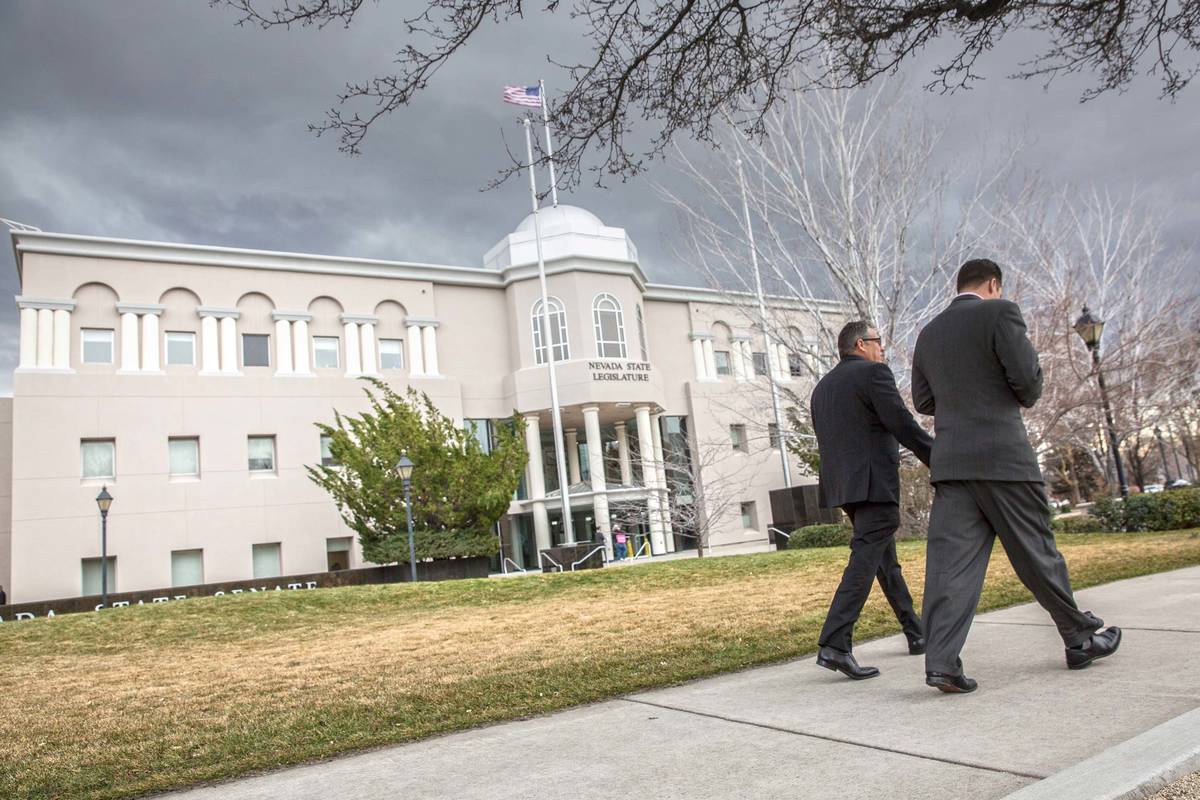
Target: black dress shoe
1101	644
844	663
950	684
916	647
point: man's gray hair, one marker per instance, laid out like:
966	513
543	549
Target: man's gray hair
851	332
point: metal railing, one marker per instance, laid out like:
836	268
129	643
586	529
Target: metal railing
784	534
603	556
542	555
640	554
516	566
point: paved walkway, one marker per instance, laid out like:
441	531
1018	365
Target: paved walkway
796	731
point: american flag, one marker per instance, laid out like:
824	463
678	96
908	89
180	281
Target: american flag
523	96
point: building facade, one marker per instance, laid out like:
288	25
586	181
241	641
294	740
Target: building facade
188	380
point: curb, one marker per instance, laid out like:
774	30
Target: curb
1132	770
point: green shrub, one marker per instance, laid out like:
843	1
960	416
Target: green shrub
835	535
1084	524
1163	511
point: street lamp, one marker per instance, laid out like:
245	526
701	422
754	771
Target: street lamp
1162	454
104	501
1089	327
404	468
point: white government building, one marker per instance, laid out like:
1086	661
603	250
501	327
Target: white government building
188	380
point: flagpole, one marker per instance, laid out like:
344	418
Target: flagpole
549	144
548	341
762	313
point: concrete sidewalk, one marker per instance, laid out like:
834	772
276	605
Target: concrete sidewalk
797	731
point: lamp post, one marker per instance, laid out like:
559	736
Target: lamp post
1089	327
404	468
104	501
1162	454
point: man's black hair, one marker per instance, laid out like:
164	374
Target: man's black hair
977	271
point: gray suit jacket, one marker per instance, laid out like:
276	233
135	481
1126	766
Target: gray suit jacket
973	370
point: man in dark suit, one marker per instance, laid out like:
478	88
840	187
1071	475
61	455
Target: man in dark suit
858	417
973	370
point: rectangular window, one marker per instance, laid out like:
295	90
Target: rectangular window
96	345
267	561
737	437
256	350
721	358
760	363
187	567
99	458
181	349
391	354
773	434
796	366
183	455
337	553
749	516
261	453
90	568
327	459
325	352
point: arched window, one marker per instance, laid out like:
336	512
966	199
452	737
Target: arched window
610	327
641	323
558	328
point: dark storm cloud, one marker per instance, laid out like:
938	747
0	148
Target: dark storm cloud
163	120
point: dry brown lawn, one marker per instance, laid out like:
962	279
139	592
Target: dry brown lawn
148	698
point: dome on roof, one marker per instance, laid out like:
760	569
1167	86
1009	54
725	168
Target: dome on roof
562	217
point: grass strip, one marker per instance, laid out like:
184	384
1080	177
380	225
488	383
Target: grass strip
162	696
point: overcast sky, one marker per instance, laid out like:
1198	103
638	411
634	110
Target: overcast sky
162	120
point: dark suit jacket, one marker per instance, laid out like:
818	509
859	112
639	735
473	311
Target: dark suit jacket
858	415
973	370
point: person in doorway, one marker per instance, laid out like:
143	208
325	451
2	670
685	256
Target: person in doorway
619	544
974	369
858	417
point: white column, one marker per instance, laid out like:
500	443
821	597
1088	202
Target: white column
785	370
29	326
301	358
698	358
129	342
353	359
772	360
210	362
710	361
62	339
623	454
738	355
229	360
283	347
367	332
537	482
416	359
429	340
748	359
150	343
661	479
572	436
650	479
45	337
591	425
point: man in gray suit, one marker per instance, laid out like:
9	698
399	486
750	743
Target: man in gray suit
973	370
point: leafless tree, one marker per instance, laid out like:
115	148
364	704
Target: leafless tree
849	201
682	64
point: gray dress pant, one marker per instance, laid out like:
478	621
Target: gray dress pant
966	518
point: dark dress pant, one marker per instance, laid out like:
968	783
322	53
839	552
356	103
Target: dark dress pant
966	518
872	556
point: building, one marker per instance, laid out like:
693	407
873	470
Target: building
188	380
